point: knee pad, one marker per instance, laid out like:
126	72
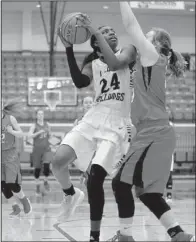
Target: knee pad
6	190
124	198
37	172
46	169
96	192
14	187
3	185
96	180
156	203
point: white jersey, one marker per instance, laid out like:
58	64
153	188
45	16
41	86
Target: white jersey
112	88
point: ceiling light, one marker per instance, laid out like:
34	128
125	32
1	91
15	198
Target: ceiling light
105	7
38	5
192	9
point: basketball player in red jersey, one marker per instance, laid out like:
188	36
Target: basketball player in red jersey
148	161
10	174
40	132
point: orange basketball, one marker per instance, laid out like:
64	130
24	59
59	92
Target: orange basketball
73	34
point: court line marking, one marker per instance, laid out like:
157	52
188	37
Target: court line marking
61	231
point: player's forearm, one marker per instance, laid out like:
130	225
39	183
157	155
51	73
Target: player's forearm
138	39
108	54
80	80
131	25
17	133
30	135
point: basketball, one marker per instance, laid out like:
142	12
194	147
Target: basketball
71	32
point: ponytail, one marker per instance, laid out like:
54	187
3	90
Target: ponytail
177	64
14	107
89	58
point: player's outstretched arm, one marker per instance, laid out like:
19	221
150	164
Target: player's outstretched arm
149	55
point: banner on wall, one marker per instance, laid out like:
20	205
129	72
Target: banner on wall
159	5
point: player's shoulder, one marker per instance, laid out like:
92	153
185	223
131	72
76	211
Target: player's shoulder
129	47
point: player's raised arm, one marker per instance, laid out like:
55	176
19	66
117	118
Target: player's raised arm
14	128
102	37
149	55
80	80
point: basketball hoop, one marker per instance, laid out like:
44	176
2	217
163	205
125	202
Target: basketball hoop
52	98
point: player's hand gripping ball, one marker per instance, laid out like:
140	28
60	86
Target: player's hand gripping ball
73	29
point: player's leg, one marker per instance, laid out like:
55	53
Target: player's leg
153	173
96	199
126	207
101	165
8	194
169	185
37	164
13	180
5	188
74	146
47	156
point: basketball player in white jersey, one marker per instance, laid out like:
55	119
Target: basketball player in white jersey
103	127
87	104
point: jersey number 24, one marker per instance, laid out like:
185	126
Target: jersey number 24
114	83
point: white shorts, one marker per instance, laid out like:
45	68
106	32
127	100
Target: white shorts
106	142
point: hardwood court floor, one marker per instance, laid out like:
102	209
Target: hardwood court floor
41	225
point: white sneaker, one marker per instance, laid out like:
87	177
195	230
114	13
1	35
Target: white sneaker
16	211
69	205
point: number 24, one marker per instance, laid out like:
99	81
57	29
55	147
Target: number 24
114	83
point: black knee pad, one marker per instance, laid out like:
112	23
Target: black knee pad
37	172
96	192
6	190
14	187
95	180
3	185
46	169
170	182
124	198
156	203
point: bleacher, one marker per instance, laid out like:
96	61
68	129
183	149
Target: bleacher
17	67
